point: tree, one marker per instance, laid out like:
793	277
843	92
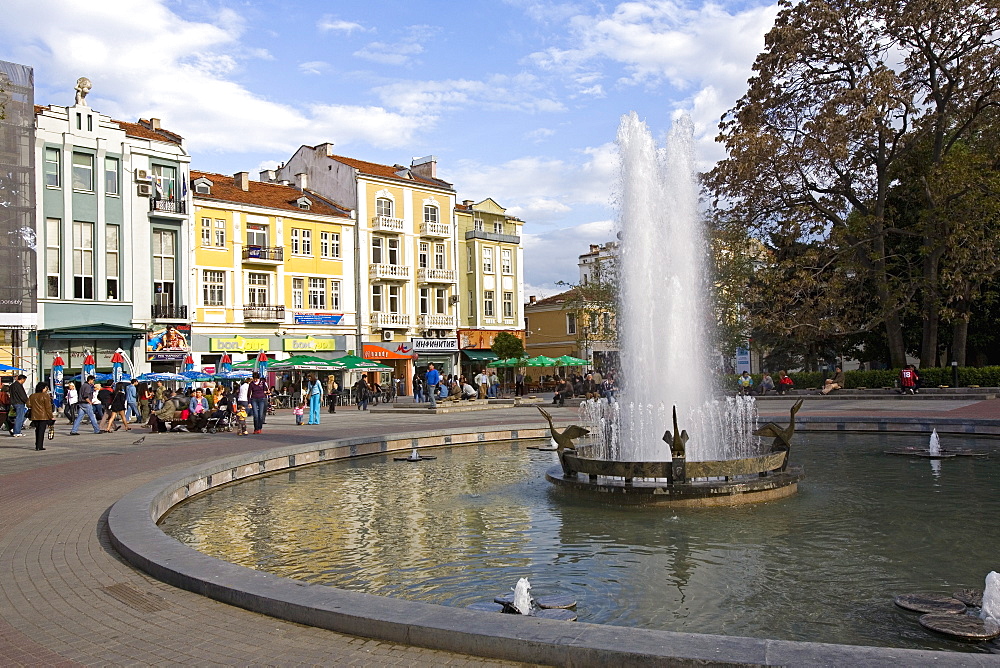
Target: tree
843	94
507	346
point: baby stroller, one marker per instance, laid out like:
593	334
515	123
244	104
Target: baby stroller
220	423
272	405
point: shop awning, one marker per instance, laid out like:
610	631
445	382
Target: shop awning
480	355
100	330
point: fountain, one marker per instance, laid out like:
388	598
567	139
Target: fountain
718	459
934	451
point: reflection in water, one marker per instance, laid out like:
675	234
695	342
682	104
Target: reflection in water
822	565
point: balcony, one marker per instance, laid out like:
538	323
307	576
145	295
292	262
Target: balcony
435	230
494	320
388	272
260	313
493	236
390	320
387	224
436	322
263	254
177	206
437	276
169	312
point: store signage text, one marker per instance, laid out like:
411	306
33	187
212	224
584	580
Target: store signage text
237	343
434	344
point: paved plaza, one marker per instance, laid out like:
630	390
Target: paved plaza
66	598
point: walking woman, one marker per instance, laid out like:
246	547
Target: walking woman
119	402
362	393
42	416
332	390
145	396
257	393
315	392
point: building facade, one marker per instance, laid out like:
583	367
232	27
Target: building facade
112	233
407	242
273	271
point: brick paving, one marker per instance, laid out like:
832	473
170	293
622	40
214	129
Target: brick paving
67	599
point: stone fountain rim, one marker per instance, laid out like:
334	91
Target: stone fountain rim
135	535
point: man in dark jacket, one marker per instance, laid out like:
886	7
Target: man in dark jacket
19	400
86	407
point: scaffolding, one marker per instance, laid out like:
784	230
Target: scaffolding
18	276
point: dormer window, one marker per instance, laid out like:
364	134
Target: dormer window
203	186
304	203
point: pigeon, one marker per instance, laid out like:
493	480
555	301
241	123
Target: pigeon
139	441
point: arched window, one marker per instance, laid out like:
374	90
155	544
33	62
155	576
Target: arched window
383	207
430	214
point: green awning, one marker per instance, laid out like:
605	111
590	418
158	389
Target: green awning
480	355
100	330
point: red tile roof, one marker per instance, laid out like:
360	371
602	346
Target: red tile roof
554	300
389	172
144	130
270	195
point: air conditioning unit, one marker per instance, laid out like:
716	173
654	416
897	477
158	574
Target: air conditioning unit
141	175
144	190
387	335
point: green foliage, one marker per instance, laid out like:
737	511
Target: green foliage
507	346
878	378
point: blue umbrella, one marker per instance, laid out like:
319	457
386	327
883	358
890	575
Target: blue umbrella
195	376
7	367
163	376
234	375
57	381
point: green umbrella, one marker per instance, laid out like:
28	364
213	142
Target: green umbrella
569	360
354	362
541	360
249	364
508	363
301	362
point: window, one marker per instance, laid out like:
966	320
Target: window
477	225
164	181
214	283
202	188
430	214
571	323
83	172
111	176
164	267
425	301
439	256
393	247
220	233
301	242
298	292
506	264
317	293
498	228
377	298
335	295
508	304
469	264
395	301
206	231
378	244
52	167
53	259
329	244
258	289
422	256
256	235
383	207
488	297
441	301
112	254
488	260
83	260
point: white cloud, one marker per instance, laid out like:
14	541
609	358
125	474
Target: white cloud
330	24
539	134
149	61
400	51
314	67
520	92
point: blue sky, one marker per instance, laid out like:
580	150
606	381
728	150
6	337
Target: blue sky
519	100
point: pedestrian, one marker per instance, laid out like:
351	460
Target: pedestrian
132	401
241	420
104	396
432	378
117	408
315	393
243	395
785	383
745	383
362	393
298	412
145	397
42	415
908	380
86	407
72	400
482	381
834	383
519	383
198	412
418	388
159	395
257	391
766	384
332	394
19	400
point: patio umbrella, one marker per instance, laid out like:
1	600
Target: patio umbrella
569	360
117	366
301	362
7	367
189	363
353	362
239	374
165	377
193	376
508	363
262	363
541	360
226	363
247	364
57	381
89	365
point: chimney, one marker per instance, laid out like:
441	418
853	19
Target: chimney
468	203
425	167
302	180
267	175
325	149
532	299
594	248
154	123
242	180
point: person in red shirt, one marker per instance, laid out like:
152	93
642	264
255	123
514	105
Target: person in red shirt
908	379
785	383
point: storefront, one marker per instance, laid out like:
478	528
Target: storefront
475	345
73	344
399	356
442	353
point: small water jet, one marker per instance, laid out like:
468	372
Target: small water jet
935	451
414	456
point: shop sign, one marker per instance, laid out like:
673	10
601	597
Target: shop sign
171	338
238	344
391	351
210	370
318	319
482	339
307	343
742	360
165	357
434	345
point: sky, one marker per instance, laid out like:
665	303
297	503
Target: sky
520	100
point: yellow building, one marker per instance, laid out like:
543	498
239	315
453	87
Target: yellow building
273	270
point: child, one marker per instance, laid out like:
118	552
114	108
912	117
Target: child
241	420
298	411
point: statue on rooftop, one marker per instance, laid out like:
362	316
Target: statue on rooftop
83	87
